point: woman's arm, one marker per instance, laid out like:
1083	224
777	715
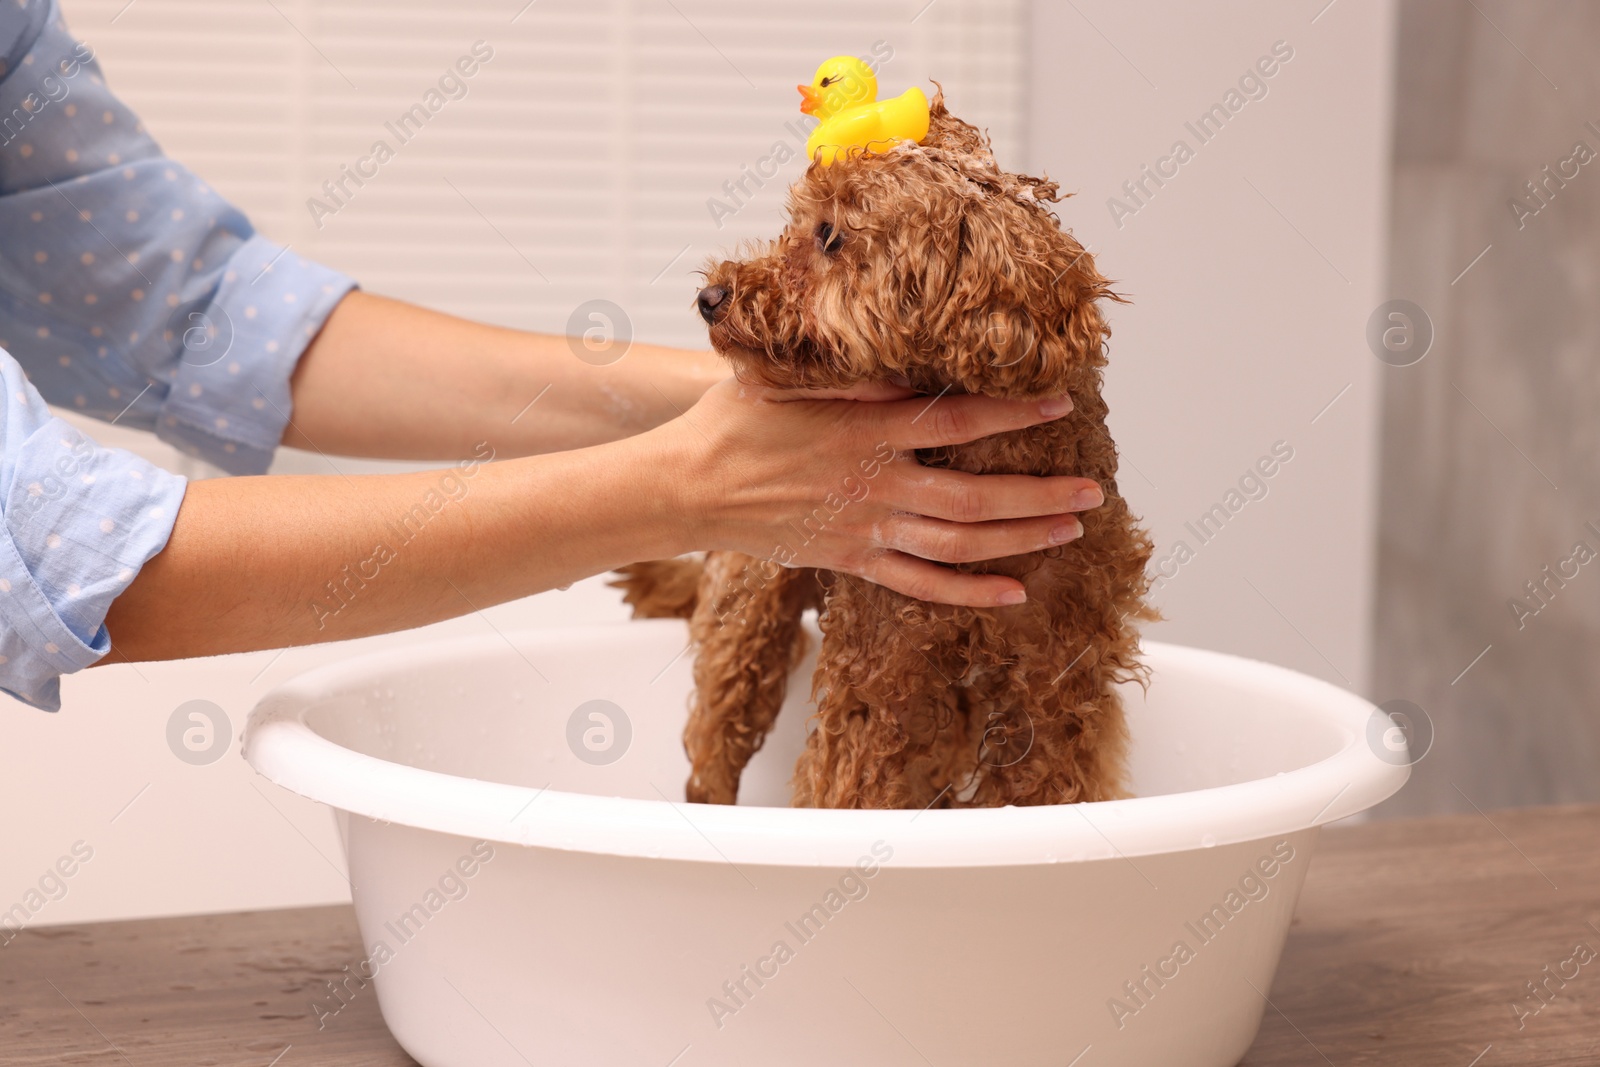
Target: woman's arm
275	561
393	380
266	562
138	295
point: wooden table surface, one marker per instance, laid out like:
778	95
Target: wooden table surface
1413	945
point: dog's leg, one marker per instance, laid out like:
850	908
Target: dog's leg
1050	728
888	714
747	639
660	588
886	757
1044	745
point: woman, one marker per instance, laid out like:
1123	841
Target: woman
130	291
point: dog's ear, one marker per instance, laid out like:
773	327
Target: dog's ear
1014	299
1023	315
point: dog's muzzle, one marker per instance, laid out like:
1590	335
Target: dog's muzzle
710	299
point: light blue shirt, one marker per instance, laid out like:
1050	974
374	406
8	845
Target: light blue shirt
132	292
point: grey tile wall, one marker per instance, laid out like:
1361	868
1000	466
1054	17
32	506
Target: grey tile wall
1491	444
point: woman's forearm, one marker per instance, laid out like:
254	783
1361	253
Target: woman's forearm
269	562
392	380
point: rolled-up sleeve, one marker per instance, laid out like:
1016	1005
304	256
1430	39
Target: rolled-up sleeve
129	289
79	523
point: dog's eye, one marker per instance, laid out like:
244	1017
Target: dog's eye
829	240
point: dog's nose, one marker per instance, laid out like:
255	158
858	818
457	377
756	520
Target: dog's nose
709	300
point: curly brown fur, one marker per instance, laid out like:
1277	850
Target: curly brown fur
955	275
660	588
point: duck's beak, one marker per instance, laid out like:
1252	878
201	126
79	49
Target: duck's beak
809	99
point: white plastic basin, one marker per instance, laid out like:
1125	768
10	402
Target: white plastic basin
520	904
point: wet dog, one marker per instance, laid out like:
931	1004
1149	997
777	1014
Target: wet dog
931	265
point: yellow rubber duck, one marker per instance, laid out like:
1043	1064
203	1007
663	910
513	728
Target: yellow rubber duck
844	95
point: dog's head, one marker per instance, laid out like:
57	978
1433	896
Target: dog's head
927	263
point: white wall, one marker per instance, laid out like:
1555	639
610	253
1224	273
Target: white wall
1252	274
1240	332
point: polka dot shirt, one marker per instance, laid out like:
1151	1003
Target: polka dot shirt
132	292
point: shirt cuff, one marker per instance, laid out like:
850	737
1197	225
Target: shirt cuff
74	537
229	398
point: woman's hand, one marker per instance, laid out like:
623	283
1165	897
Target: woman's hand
809	482
829	480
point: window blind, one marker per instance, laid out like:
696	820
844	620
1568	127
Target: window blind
599	149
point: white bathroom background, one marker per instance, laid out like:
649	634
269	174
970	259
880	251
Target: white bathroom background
604	150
